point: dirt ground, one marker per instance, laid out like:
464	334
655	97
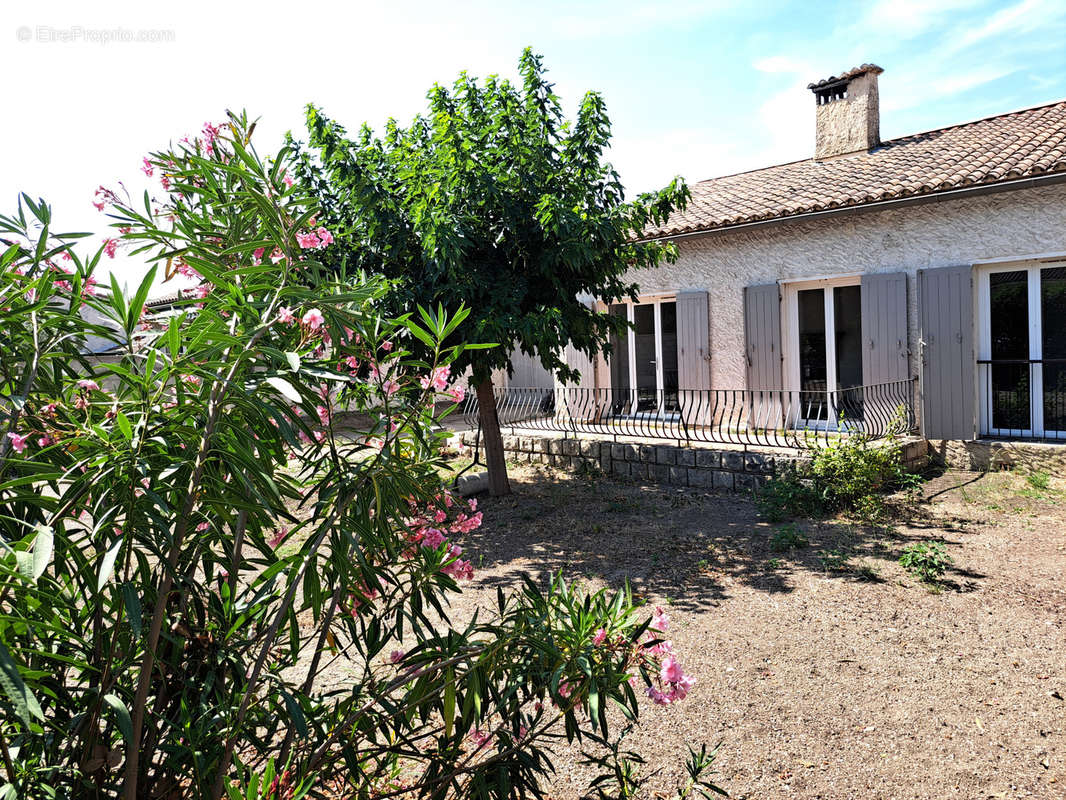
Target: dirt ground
825	671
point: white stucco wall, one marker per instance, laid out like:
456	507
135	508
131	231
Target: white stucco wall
1012	224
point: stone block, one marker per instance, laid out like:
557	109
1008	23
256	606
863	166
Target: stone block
665	455
708	459
555	446
723	479
618	452
679	476
660	473
544	445
590	449
647	454
606	460
758	462
760	481
638	470
743	481
686	458
620	468
733	460
702	478
571	447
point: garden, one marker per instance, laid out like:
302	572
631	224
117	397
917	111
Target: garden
232	564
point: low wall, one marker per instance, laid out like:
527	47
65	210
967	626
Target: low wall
990	455
728	469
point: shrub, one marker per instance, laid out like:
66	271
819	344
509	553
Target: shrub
926	561
787	537
187	541
848	474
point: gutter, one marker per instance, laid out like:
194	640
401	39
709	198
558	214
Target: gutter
914	200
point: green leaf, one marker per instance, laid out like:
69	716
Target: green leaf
42	550
16	690
132	601
294	361
122	718
124	425
296	714
286	388
107	565
449	701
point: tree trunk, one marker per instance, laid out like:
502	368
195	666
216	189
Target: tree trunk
491	439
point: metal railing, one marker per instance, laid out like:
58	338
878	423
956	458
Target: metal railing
769	418
1022	398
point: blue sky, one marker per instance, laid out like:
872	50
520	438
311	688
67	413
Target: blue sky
696	88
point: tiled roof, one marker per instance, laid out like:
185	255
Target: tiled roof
851	73
1009	146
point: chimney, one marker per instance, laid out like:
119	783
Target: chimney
847	119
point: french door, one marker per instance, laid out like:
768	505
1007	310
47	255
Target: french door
825	322
644	373
1022	351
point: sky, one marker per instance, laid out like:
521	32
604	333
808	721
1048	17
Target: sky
699	89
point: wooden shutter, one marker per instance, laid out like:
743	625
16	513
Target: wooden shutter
946	343
762	335
693	364
884	328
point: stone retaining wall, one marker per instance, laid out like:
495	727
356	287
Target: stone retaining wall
732	470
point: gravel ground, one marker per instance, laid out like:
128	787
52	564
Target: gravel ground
825	671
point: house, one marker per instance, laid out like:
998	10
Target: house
934	262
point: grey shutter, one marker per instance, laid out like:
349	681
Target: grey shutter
693	367
884	328
693	354
949	386
762	335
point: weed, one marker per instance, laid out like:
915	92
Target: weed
833	560
926	560
1041	481
774	563
868	572
788	537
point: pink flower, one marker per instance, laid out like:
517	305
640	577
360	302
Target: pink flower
88	385
44	441
390	387
286	316
432	538
257	255
276	255
460	570
307	240
599	637
479	739
660	621
110	245
457	393
17	442
203	526
323	414
438	379
313	319
671	671
386	346
287	180
352	362
324	237
396	656
278	537
147	168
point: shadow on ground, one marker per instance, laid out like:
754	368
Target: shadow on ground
689	546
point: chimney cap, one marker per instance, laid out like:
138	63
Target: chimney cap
846	76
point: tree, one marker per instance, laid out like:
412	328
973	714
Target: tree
493	201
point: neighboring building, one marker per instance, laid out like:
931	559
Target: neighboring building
940	255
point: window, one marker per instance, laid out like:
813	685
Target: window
644	372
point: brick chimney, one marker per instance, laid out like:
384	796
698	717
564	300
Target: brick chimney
847	119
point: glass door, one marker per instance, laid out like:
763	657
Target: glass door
1022	351
829	351
643	364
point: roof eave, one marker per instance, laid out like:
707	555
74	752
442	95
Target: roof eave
920	199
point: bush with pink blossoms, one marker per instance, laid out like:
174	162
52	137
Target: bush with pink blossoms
187	541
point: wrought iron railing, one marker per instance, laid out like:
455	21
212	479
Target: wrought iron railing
1022	398
772	418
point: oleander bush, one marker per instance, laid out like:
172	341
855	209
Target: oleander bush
191	544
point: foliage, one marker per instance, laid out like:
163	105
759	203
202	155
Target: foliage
621	779
926	561
191	541
833	560
787	537
495	202
851	474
